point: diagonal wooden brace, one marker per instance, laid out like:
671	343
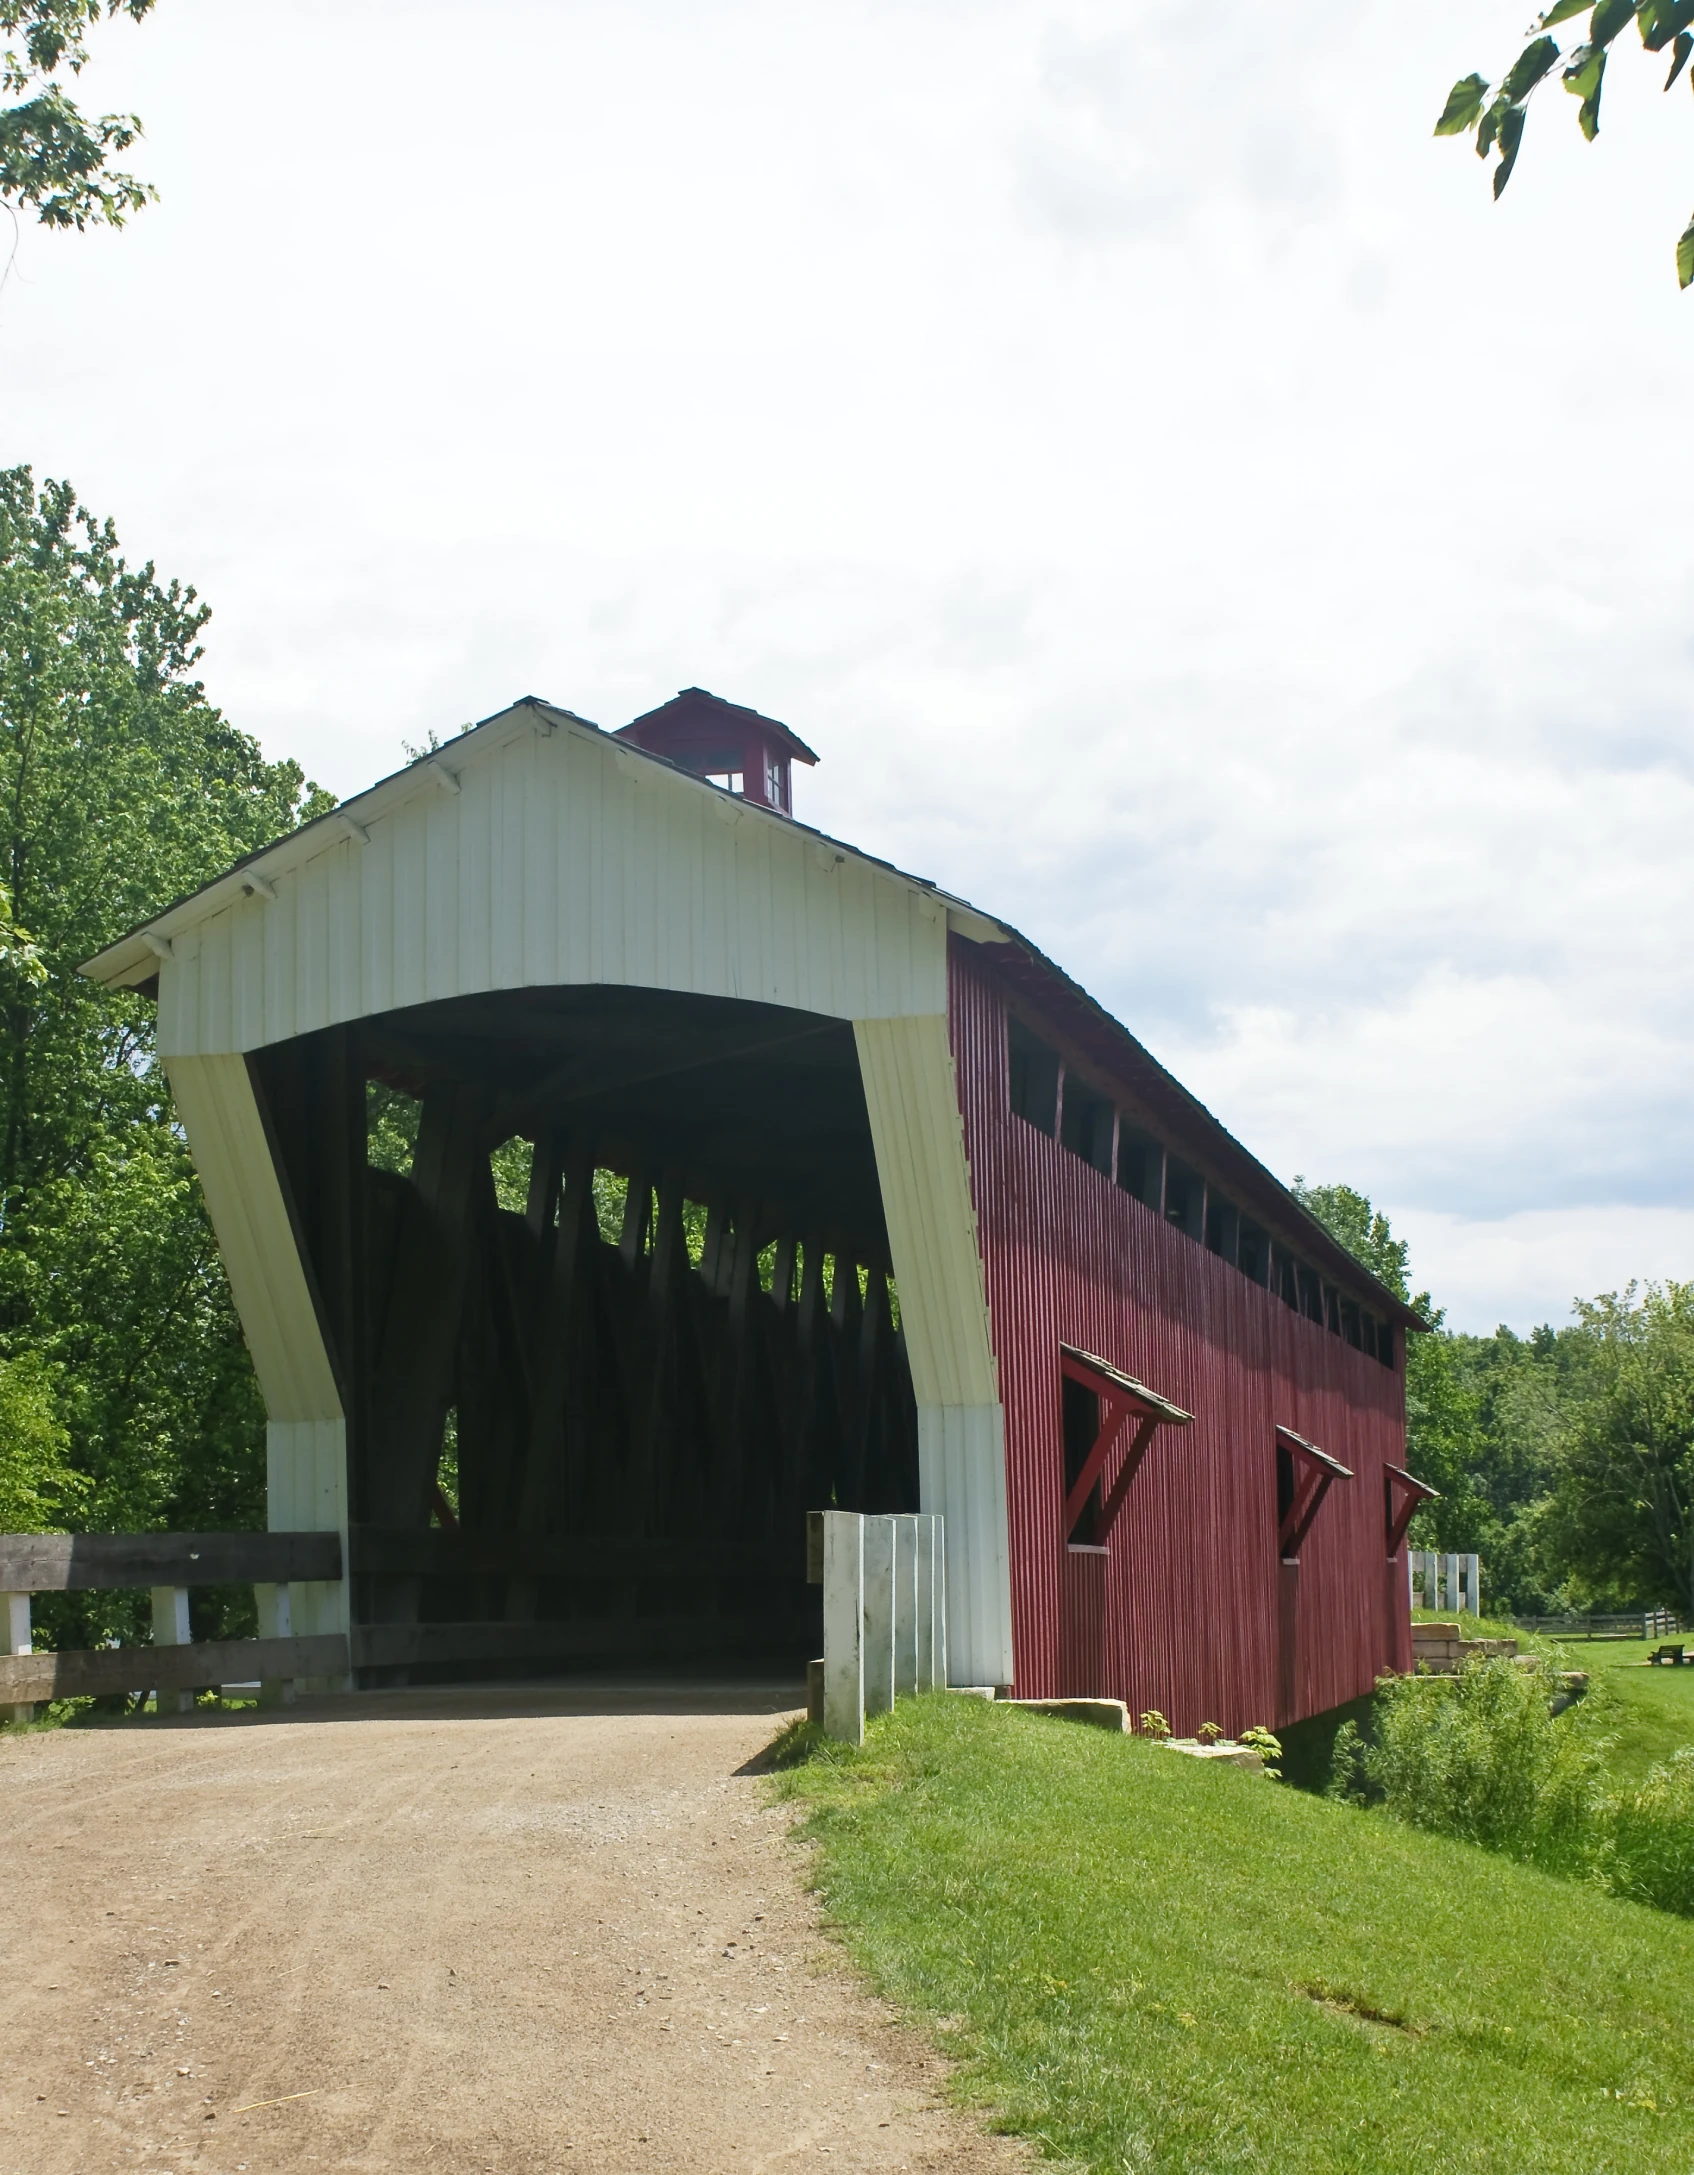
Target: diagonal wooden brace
1126	1473
1093	1465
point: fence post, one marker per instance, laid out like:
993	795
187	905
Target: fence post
170	1628
14	1623
1473	1579
924	1528
276	1621
905	1607
932	1672
879	1615
844	1626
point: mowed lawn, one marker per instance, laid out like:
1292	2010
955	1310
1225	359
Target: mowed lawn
1148	1963
1655	1707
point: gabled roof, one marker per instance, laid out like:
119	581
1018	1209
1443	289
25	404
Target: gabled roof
133	960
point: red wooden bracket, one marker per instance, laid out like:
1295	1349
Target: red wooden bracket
1126	1473
1314	1485
1093	1465
1397	1520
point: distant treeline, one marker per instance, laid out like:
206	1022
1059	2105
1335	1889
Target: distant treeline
1565	1459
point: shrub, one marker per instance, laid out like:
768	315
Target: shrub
1479	1756
1653	1837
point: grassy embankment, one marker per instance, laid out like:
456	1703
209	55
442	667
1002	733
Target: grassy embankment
1150	1964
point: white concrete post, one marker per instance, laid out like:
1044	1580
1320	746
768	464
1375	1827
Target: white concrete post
14	1623
1452	1569
170	1628
879	1615
941	1677
276	1621
1473	1583
905	1608
927	1549
844	1626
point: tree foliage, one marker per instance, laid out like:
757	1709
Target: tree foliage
1496	115
1623	1497
53	158
121	788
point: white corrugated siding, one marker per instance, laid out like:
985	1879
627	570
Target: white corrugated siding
306	1490
962	1474
563	859
912	1098
255	1237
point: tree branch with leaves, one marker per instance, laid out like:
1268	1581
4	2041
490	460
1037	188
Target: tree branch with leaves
1496	116
53	159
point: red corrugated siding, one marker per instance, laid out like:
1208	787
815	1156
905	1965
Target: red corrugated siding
1191	1611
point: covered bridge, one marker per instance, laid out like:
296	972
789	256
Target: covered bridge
741	1174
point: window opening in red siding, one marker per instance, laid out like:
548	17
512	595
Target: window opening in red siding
1033	1070
1223	1227
1086	1126
1082	1432
1111	1405
1141	1166
1304	1476
1311	1295
1252	1253
1185	1200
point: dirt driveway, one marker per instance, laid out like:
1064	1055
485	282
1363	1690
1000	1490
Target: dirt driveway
554	1930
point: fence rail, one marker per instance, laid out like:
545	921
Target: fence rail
93	1672
106	1562
1635	1624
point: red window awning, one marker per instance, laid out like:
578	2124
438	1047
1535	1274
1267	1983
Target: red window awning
1122	1399
1316	1474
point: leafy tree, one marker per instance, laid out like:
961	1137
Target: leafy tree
1442	1437
121	788
1622	1509
52	158
37	1483
1496	116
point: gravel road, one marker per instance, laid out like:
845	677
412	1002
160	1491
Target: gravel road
554	1930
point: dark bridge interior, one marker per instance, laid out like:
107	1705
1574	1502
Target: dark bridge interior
620	1315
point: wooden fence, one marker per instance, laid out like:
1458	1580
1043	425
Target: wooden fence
1636	1624
170	1564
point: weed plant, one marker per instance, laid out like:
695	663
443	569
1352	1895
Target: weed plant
1480	1756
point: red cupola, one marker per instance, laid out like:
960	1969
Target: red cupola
736	748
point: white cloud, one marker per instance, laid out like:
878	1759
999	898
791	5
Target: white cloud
1527	1269
1183	511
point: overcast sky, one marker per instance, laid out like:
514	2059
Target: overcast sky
1186	515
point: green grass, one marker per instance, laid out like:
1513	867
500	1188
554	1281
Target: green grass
1653	1709
1149	1964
